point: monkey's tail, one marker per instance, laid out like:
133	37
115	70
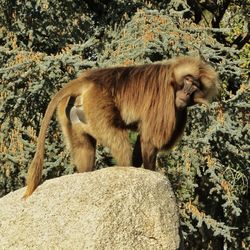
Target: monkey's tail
73	88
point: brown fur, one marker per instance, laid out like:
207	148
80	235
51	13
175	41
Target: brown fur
151	98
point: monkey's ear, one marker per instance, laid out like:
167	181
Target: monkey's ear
172	81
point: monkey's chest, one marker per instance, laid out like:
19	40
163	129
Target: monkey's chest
181	118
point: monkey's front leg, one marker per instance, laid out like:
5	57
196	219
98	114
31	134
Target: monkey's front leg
149	153
137	155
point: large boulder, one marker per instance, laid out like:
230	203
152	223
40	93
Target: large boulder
112	208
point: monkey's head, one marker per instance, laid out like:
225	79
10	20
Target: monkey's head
195	82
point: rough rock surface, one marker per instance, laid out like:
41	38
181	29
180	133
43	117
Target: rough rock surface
113	208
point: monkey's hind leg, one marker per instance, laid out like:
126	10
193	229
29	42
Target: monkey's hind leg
83	148
81	145
102	116
116	139
120	148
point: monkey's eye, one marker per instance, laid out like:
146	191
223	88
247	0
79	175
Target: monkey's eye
193	80
196	83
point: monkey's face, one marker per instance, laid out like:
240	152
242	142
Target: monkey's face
187	92
194	82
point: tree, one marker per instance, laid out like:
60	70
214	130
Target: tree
44	44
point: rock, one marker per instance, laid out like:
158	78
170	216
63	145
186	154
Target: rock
112	208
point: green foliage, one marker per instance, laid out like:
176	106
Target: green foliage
28	80
211	177
44	44
45	26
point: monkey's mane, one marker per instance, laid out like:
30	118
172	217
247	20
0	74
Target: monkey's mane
145	89
117	79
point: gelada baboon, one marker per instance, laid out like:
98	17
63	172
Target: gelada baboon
102	104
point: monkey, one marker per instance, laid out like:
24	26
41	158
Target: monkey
102	104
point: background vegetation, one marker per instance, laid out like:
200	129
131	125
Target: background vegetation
45	43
